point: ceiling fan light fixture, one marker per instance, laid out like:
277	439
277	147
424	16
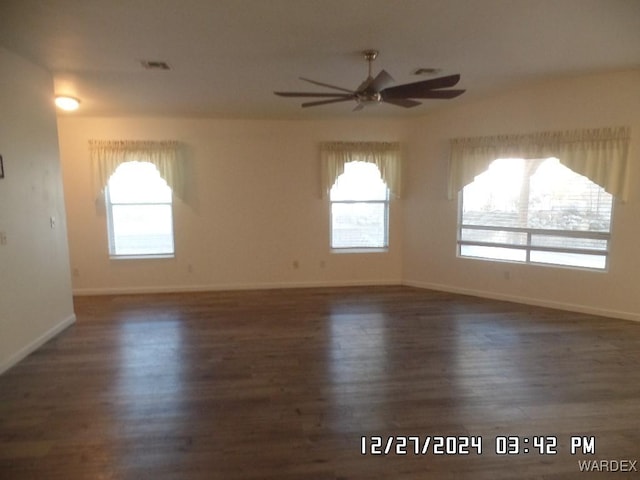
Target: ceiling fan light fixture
67	103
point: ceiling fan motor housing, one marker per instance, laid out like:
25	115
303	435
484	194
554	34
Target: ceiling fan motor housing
368	98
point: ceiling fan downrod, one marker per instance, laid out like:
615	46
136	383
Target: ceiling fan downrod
365	96
370	56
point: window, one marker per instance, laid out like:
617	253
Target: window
139	212
359	208
535	211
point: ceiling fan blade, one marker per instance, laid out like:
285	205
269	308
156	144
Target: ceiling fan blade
416	89
382	80
441	94
325	102
365	84
402	102
313	94
326	85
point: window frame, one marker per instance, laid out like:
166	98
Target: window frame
528	247
109	204
362	249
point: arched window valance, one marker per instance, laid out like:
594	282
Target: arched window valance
598	154
108	155
385	155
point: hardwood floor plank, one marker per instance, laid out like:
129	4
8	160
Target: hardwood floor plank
283	384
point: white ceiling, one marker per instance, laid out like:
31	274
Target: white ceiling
228	56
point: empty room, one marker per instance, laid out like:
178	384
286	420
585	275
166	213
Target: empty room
319	239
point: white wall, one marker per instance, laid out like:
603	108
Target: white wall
255	207
430	219
35	287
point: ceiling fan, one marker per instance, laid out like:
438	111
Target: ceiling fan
377	90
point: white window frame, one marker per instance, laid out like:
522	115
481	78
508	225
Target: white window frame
361	249
528	247
111	231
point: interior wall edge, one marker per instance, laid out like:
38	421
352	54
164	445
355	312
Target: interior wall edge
569	307
36	344
80	292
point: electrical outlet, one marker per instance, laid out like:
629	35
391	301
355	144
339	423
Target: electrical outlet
3	238
52	222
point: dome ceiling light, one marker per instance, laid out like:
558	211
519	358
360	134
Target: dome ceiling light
67	103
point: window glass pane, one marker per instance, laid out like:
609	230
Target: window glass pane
568	242
138	182
570	259
142	229
358	225
494	253
359	208
564	200
493	199
494	236
139	211
360	181
540	194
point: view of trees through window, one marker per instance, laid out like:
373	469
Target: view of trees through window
535	211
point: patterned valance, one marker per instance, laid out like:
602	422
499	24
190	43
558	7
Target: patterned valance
108	155
598	154
385	155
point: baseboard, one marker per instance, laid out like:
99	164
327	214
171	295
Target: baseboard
37	343
571	307
229	287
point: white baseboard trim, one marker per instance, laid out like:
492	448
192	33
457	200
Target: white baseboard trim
37	343
571	307
229	287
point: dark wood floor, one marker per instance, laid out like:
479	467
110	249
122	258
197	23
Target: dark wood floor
284	384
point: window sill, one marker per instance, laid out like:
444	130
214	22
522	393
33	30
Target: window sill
359	250
141	257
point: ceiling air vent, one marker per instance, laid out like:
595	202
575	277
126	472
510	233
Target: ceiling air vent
426	71
155	65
